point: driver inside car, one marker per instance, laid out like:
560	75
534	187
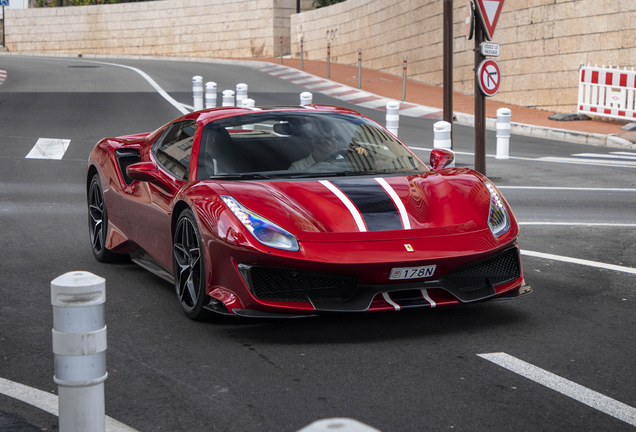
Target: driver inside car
322	146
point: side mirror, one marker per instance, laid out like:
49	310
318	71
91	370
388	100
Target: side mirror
441	158
143	171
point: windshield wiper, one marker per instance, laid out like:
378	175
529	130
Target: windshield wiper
240	176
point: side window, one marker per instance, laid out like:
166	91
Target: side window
174	148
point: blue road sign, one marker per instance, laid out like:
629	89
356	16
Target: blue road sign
4	2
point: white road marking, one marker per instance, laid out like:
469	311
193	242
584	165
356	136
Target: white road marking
586	224
597	162
48	402
565	188
579	261
566	387
630	156
49	148
563	160
150	81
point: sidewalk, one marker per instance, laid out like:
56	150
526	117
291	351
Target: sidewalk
423	100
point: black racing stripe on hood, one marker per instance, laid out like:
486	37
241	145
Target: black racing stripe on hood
375	205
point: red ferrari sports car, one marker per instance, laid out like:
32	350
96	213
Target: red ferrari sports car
297	211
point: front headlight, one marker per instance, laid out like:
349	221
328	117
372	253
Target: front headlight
263	230
498	219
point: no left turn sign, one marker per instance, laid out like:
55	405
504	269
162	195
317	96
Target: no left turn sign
489	76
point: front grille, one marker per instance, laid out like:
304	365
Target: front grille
277	284
495	270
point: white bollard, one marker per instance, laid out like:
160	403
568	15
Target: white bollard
306	98
503	133
197	92
442	137
248	103
228	98
210	94
339	424
393	117
241	93
79	346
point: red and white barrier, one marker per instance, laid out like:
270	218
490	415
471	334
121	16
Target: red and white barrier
607	92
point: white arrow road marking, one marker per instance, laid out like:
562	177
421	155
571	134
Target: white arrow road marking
568	388
49	148
48	402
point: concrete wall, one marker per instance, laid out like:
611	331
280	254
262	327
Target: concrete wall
195	28
542	42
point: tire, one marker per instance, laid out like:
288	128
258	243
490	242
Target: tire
188	267
98	222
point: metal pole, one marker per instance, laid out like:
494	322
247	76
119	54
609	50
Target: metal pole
359	68
79	346
302	66
3	23
404	79
281	48
328	60
448	63
480	108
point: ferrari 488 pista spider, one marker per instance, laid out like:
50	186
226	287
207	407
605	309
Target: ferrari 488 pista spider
296	211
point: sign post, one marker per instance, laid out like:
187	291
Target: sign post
3	3
448	63
487	72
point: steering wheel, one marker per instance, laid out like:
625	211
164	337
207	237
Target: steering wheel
333	155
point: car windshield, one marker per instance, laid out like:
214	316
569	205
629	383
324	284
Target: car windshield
300	145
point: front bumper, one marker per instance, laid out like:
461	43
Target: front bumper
498	275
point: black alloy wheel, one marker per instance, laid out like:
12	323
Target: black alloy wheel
98	222
189	266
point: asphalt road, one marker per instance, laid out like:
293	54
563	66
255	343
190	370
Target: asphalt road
409	371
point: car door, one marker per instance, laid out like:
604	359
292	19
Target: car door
151	201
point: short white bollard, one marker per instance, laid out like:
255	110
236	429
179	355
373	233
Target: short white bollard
241	93
228	98
197	92
79	345
503	133
338	424
442	137
248	103
393	117
306	98
210	94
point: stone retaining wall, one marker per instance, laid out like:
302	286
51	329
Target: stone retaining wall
194	28
542	43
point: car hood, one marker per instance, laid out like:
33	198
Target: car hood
373	208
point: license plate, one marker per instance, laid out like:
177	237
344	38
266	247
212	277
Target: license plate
412	272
